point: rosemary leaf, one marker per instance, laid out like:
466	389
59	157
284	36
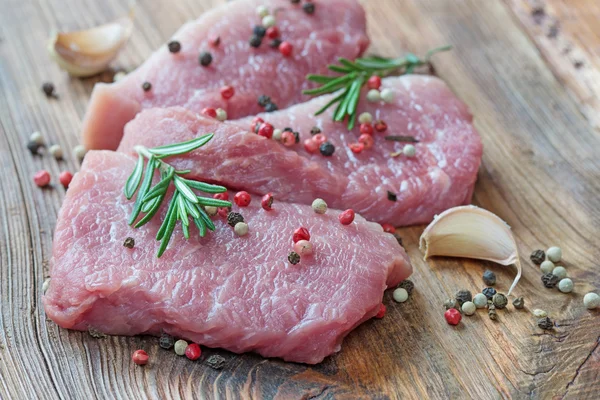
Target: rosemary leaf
186	230
329	104
205	218
201	226
184	189
182	210
320	78
349	64
331	86
191	209
151	212
160	188
149	174
205	187
181	148
205	201
147	206
171	211
168	232
133	182
338	69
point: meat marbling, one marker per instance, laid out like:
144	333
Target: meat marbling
440	176
238	293
336	29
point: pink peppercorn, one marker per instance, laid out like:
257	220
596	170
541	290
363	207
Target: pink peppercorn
301	234
346	217
288	139
140	357
285	48
223	212
389	228
210	112
366	140
266	130
65	178
227	92
452	316
380	126
381	312
256	122
193	352
267	201
242	199
319	139
356	147
366	129
303	247
374	82
311	146
42	178
221	196
272	32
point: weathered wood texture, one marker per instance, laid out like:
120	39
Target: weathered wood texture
541	173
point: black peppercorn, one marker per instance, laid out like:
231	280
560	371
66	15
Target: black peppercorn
174	46
270	107
294	258
275	43
545	323
550	280
538	257
259	31
327	149
166	341
398	239
146	86
519	303
216	361
234	217
288	129
462	296
295	1
263	100
205	58
255	41
315	130
500	301
407	285
48	89
489	292
392	196
129	243
489	278
296	137
309	8
33	147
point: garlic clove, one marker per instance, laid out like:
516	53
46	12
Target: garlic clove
471	232
89	52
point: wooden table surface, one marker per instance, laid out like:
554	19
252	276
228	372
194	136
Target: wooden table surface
529	70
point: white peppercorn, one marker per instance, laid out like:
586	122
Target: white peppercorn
319	206
45	285
560	272
468	308
277	134
180	347
119	75
539	313
565	285
221	114
373	96
554	254
241	229
591	300
365	118
387	95
400	295
211	211
546	267
480	300
269	21
79	151
409	150
56	151
37	138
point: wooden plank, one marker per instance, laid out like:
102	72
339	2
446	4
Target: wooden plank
567	33
540	173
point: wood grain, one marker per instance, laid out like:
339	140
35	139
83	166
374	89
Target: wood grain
540	172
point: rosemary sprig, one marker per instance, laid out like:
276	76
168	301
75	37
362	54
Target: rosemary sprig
354	74
184	204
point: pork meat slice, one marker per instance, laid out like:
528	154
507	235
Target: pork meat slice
237	293
336	29
441	175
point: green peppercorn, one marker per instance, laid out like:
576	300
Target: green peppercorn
233	218
293	258
205	58
463	296
500	301
489	278
180	347
537	257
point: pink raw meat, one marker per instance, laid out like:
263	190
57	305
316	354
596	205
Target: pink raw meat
238	293
440	176
336	29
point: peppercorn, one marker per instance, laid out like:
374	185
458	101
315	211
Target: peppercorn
387	95
381	312
463	296
539	313
366	140
129	243
48	89
33	147
489	278
209	112
388	228
227	92
559	271
452	316
545	323
166	341
380	126
365	118
272	32
309	8
296	137
37	137
319	139
346	217
554	254
538	256
492	312
216	361
546	266
233	218
140	357
398	239
327	149
146	86
214	41
211	211
275	43
315	130
270	107
288	129
293	258
263	100
242	199
451	303
193	351
303	247
400	295
269	21
392	196
259	31
319	206
374	82
221	196
42	178
255	41
285	48
56	151
221	114
265	130
489	292
205	58
241	229
295	1
409	150
262	10
356	148
366	129
373	96
301	234
550	280
174	46
267	202
180	347
407	284
500	301
79	152
591	300
468	308
519	303
565	285
480	300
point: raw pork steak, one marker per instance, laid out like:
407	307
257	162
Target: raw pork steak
238	293
440	176
336	29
